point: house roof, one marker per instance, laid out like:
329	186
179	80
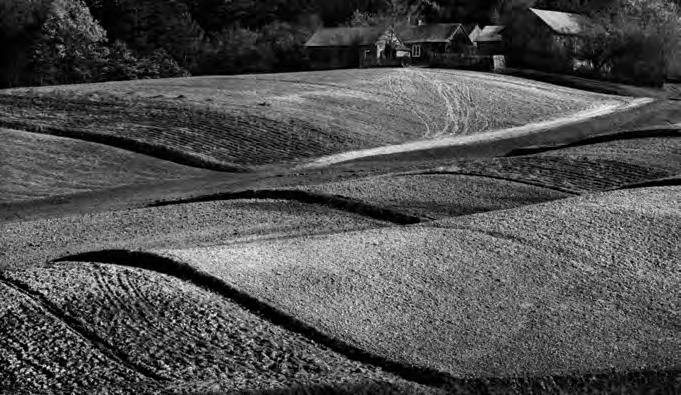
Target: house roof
430	33
563	22
345	36
491	34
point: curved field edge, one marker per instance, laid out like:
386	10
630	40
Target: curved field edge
498	142
28	243
158	151
334	201
601	381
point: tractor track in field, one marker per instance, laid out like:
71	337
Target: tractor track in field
418	374
187	273
79	330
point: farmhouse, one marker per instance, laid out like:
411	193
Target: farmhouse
490	40
426	40
344	47
551	39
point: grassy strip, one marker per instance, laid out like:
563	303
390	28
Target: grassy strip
494	177
603	138
613	382
334	201
140	147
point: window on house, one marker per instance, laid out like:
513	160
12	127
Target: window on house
416	51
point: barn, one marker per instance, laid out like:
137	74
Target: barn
426	40
345	47
546	39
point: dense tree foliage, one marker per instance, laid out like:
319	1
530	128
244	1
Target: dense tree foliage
60	41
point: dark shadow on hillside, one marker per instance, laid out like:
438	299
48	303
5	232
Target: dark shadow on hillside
654	132
334	201
662	182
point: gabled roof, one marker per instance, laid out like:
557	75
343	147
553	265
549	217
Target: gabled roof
563	22
345	36
473	30
430	33
491	34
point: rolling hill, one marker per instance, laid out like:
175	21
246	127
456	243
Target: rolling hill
226	123
494	295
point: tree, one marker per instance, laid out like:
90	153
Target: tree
148	25
71	47
635	41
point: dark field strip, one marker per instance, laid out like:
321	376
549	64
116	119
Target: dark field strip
563	174
653	132
668	381
227	140
75	326
663	182
334	201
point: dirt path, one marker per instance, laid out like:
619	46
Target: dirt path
529	129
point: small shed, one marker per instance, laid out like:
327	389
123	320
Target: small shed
344	47
438	38
490	41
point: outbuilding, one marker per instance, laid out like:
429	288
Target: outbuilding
490	41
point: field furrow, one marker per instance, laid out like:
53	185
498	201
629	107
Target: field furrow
183	332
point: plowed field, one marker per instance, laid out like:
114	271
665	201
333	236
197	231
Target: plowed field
161	327
580	285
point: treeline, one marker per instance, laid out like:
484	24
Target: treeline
73	41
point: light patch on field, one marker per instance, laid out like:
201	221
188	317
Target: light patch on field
529	129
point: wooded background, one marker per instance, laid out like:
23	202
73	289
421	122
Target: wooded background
72	41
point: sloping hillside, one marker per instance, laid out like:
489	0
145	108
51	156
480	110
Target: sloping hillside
38	166
575	286
227	122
